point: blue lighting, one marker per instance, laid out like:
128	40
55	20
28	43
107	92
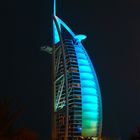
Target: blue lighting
65	26
87	88
79	128
85	69
83	62
90	93
90	115
90	107
78	49
80	37
59	22
86	76
90	99
56	38
87	83
81	56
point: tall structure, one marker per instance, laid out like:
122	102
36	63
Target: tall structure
77	106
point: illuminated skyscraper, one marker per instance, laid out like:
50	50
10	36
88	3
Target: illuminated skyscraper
77	106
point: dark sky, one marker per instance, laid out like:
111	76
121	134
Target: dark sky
113	44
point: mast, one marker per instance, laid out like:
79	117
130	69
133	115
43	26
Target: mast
57	36
53	24
54	7
53	127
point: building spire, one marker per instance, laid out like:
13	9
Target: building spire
54	7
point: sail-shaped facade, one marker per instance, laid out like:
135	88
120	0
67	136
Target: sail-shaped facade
77	106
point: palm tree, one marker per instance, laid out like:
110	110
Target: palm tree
136	136
8	119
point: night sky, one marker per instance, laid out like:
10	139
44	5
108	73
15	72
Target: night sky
113	44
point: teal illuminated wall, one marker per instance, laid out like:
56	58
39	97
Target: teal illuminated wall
91	103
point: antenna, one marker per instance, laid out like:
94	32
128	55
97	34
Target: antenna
54	7
54	30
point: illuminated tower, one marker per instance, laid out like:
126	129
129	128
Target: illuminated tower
77	106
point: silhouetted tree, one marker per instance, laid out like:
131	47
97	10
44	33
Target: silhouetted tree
25	134
8	117
136	136
109	138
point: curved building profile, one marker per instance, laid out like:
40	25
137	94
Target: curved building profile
77	106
